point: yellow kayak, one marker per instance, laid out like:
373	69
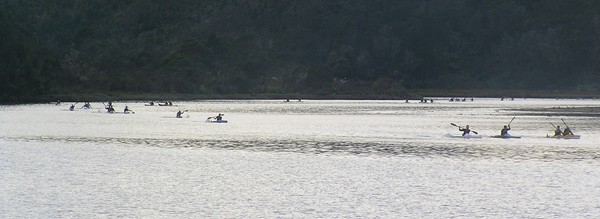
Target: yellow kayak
564	136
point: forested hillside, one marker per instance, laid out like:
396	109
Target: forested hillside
295	46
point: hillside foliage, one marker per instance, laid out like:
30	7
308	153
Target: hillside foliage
306	46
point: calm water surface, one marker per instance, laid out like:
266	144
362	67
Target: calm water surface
299	159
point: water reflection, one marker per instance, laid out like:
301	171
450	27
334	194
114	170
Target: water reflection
431	149
361	128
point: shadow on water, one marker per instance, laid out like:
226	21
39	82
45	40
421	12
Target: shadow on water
386	149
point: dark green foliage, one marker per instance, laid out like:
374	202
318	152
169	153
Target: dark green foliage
283	46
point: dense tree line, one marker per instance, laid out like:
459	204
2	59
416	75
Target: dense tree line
289	46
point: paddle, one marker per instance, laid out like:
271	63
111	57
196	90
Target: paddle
512	120
567	127
459	128
564	123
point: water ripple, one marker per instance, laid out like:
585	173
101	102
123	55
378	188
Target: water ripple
392	149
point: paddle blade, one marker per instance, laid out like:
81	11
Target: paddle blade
475	132
453	124
512	120
564	123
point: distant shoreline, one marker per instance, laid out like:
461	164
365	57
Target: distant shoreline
410	94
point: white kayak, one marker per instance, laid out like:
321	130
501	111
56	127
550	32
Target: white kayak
463	136
505	136
216	121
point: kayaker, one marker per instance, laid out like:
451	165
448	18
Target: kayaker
179	113
504	131
87	105
568	131
109	108
72	107
126	110
466	130
557	131
219	117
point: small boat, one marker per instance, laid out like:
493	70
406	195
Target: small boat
216	121
463	136
505	136
564	136
166	104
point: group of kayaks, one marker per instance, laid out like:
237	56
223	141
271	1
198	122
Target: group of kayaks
166	103
559	134
512	136
110	109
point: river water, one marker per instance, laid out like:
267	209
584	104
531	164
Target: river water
314	158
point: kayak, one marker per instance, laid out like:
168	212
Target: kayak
461	136
564	136
505	136
216	121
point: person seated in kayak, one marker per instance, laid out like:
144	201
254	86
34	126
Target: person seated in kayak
151	103
72	107
219	117
504	131
126	110
568	131
87	105
558	131
179	113
466	130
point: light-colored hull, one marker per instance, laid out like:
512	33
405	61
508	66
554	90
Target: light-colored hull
461	136
564	136
505	136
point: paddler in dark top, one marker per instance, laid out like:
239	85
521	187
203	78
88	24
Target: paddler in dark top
557	131
568	131
72	107
126	110
109	108
504	131
219	117
179	113
466	130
